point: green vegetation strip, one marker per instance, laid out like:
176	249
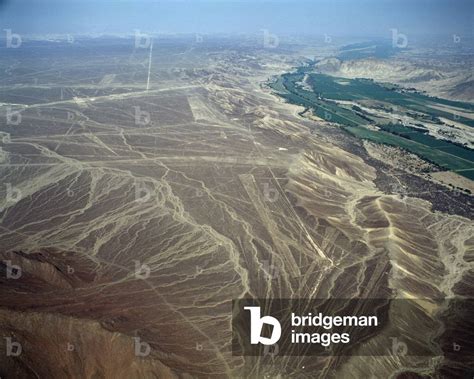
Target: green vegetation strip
438	157
325	89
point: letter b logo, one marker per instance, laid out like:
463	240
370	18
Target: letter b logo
256	325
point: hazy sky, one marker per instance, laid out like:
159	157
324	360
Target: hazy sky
371	18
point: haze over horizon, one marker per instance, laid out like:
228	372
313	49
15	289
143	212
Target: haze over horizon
367	18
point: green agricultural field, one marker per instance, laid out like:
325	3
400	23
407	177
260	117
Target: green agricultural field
326	89
325	109
441	158
329	87
279	85
427	140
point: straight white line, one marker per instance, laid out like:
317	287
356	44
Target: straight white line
149	67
